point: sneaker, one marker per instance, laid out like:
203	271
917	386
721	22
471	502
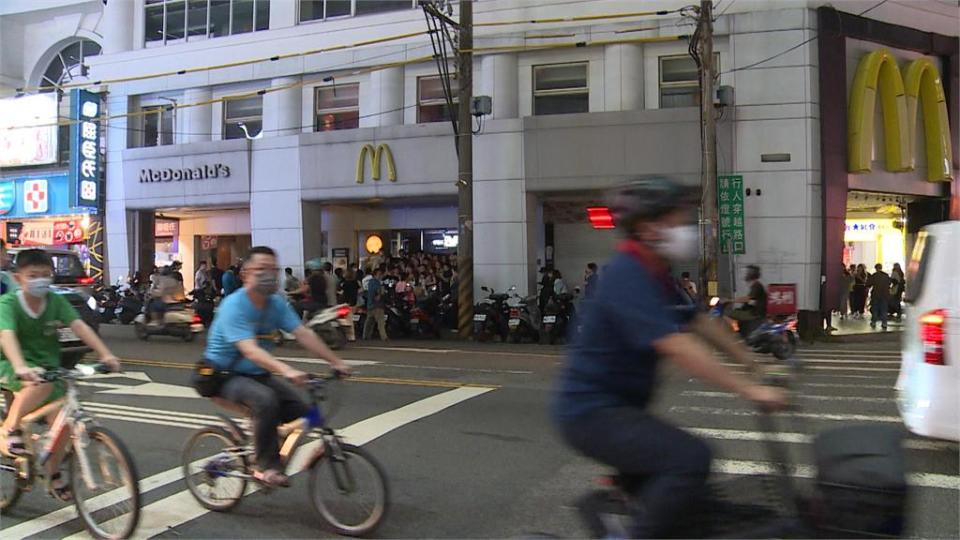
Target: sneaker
873	325
884	328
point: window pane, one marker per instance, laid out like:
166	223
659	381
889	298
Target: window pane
338	8
242	17
263	14
338	97
561	104
176	19
679	97
431	88
243	108
311	10
341	120
197	18
150	127
561	77
166	125
232	130
680	69
219	18
433	113
153	29
377	6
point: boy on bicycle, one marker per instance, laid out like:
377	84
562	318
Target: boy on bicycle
29	321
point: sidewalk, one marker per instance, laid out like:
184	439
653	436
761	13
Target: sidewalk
851	329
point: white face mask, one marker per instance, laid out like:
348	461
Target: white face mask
679	244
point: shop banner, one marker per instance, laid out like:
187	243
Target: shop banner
37	196
730	205
166	228
13	233
68	232
36	233
85	149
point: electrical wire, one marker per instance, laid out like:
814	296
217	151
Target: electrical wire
774	57
868	10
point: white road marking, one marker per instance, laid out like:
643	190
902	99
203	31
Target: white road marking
463	351
720	411
837	385
133	410
810	397
741	467
800	438
833	368
847	361
155	389
317	361
175	510
135	375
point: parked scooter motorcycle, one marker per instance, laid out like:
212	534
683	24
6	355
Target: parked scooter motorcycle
557	315
524	321
131	305
204	304
178	320
425	315
490	316
778	338
329	324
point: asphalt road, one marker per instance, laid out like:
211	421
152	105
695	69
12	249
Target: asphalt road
487	465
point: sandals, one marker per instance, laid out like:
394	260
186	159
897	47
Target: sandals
272	478
60	487
13	443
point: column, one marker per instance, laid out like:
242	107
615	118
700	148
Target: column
381	100
498	79
282	108
118	253
196	123
623	77
118	22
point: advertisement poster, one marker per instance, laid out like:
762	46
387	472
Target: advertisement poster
341	257
36	233
28	130
13	233
67	232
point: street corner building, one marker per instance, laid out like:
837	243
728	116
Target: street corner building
322	127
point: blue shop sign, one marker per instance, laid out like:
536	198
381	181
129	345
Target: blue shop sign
85	149
37	196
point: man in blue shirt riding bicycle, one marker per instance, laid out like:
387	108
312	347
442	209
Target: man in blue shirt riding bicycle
240	342
635	318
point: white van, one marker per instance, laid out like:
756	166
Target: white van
928	389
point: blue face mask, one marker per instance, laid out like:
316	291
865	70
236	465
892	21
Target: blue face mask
39	287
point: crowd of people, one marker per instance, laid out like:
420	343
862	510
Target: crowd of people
882	292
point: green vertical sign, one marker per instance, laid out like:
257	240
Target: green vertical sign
730	206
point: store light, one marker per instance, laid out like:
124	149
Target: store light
600	217
85	222
374	243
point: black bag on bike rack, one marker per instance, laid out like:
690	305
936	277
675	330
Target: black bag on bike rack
861	479
208	379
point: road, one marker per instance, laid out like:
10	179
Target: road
483	463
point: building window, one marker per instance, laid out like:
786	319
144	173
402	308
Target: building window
157	126
560	89
431	102
318	10
338	107
680	81
243	117
170	21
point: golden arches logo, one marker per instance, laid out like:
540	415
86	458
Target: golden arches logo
377	154
900	98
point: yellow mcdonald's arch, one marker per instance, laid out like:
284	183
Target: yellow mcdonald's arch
900	96
377	155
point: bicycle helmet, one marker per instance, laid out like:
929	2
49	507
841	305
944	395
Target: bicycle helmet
648	198
314	264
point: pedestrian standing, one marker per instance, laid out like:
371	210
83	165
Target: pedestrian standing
202	277
590	280
859	294
897	291
846	287
375	307
879	285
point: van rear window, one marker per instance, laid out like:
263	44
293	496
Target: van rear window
917	268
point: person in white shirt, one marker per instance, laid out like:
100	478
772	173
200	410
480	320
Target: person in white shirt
202	277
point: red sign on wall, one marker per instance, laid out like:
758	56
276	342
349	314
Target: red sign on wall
67	232
781	299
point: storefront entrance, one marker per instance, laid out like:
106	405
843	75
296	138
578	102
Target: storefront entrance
218	236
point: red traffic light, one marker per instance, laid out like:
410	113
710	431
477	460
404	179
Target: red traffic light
600	217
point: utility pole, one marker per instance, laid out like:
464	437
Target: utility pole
708	163
465	171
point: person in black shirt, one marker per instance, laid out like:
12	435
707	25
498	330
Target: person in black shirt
753	310
314	290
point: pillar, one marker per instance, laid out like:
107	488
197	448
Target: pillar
196	123
381	100
118	23
623	77
119	253
282	108
498	79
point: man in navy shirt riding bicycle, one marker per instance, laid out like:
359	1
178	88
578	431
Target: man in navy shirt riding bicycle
240	342
634	319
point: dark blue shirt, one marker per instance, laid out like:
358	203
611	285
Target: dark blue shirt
611	361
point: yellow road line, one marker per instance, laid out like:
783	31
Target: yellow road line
372	380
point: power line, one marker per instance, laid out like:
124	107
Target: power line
868	10
765	60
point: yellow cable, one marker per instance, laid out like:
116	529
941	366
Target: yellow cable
578	18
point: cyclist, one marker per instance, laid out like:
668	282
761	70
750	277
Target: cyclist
29	319
629	324
240	343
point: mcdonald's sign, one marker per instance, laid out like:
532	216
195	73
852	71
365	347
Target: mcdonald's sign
919	87
376	154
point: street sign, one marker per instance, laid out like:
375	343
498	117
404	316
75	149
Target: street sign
730	205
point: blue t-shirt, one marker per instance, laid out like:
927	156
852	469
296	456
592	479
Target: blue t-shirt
229	282
238	319
611	361
374	287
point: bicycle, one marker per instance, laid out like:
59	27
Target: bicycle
108	505
217	476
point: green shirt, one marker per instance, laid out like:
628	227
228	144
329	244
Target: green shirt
38	337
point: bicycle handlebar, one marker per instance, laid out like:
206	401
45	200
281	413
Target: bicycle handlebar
79	372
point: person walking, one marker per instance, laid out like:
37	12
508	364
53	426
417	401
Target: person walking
858	297
202	277
879	285
846	287
375	306
590	278
898	289
559	285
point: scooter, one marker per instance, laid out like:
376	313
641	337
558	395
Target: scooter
329	324
204	304
524	321
131	304
557	315
778	338
490	316
178	320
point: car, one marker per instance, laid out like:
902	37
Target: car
928	387
70	281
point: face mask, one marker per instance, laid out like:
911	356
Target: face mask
38	287
680	243
267	283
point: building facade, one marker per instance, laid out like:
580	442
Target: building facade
313	126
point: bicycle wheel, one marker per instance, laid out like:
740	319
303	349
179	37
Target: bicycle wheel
350	492
113	475
9	482
211	459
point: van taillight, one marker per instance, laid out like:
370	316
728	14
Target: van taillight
85	281
931	333
514	313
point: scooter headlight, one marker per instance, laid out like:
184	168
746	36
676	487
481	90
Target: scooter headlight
92	303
